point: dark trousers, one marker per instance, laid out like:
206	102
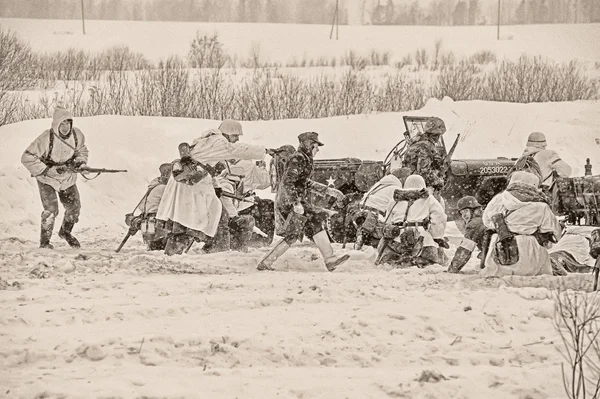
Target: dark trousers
68	197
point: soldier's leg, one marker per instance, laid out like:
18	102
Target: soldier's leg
177	243
314	230
263	213
240	228
294	226
222	240
50	205
72	203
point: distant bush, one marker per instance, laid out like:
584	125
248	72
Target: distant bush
15	74
483	57
207	52
531	79
460	82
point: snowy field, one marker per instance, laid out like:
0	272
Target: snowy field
283	43
138	324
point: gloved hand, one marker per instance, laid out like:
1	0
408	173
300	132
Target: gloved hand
77	163
334	192
298	208
442	242
218	191
128	219
261	164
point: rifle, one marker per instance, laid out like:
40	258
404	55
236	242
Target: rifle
448	158
131	232
226	194
83	170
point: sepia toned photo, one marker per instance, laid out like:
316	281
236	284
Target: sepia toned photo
300	199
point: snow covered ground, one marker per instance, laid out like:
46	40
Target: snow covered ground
139	324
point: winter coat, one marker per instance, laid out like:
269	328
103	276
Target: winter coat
425	159
197	206
474	232
255	178
39	162
152	201
522	219
420	210
296	183
549	162
381	194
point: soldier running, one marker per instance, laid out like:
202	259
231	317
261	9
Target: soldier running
292	204
50	158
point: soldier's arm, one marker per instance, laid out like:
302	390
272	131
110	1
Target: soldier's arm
438	219
293	171
32	157
81	152
562	168
228	202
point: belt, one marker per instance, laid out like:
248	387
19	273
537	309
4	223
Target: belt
370	208
412	224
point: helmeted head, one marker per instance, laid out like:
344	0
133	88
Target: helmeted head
414	182
231	129
310	141
467	206
62	121
165	171
468	201
523	177
537	140
435	126
401	173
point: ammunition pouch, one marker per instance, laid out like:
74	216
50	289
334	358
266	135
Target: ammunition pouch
391	231
148	225
506	250
410	243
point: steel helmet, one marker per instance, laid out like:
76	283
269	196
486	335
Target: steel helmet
468	202
435	126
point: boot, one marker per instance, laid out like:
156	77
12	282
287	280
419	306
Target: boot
221	242
461	257
65	234
46	230
331	261
177	244
278	250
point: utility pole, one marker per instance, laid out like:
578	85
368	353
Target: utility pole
82	17
335	22
499	10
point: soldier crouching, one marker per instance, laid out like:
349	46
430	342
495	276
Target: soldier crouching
414	230
146	220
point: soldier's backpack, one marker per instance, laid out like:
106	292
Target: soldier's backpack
526	163
278	163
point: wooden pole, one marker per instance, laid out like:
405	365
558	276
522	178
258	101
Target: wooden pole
337	20
499	10
82	17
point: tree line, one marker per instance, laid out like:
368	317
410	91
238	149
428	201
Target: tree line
392	12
